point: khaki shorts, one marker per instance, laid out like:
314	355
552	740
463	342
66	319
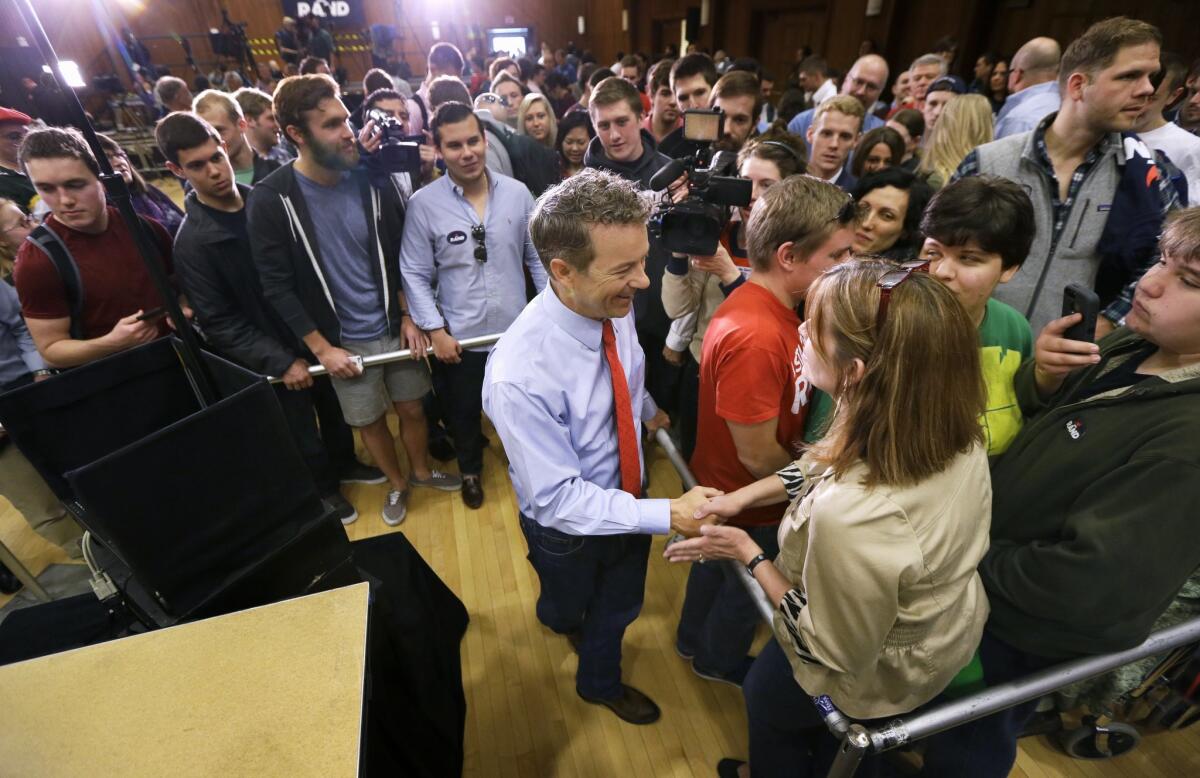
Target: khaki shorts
367	398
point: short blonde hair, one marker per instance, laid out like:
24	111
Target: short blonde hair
526	104
800	209
211	99
918	402
846	104
965	123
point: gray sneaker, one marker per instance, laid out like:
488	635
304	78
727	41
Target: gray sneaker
447	482
395	507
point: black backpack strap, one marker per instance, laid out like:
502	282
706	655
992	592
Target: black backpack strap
59	255
424	111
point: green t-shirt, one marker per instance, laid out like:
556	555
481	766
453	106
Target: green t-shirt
820	407
244	177
1005	341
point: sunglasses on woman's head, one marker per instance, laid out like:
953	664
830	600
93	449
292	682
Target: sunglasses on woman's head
892	279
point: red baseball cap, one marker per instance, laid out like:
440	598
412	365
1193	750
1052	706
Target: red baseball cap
10	115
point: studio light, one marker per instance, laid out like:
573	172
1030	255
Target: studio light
68	71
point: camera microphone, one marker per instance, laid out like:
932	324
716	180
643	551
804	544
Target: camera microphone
667	175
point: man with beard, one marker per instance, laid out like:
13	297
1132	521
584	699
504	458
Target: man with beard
216	271
326	245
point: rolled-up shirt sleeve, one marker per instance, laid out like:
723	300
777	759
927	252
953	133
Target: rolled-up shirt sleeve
543	460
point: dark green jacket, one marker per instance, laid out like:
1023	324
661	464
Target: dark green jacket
1096	510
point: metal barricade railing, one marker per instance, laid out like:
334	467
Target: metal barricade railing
858	741
397	356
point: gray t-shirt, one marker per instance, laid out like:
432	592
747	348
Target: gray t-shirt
342	233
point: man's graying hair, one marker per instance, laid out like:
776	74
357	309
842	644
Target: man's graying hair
591	198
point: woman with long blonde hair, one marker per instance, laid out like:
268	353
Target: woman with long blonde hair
535	118
966	122
878	601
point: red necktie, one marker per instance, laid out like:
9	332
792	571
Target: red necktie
627	443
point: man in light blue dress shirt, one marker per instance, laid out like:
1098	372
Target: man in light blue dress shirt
549	391
1032	86
465	239
864	81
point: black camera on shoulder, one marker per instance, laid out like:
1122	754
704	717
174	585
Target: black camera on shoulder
694	225
398	153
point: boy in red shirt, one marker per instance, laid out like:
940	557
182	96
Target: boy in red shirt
115	290
754	397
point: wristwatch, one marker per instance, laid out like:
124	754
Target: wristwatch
43	373
755	562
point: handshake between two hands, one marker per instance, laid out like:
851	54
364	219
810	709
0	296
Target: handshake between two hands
699	515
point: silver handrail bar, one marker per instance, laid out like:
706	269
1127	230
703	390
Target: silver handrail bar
398	356
761	603
858	740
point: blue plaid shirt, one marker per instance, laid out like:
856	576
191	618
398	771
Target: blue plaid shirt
1116	311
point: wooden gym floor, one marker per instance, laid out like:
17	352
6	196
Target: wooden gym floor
524	718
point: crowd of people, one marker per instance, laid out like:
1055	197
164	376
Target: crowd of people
933	483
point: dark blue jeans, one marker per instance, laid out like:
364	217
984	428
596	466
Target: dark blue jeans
788	737
718	618
593	586
987	747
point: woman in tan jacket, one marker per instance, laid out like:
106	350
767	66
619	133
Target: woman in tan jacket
878	603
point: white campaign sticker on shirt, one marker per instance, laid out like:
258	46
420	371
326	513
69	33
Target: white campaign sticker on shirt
800	399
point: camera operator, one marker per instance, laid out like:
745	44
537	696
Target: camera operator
216	271
389	110
621	146
325	242
739	97
465	241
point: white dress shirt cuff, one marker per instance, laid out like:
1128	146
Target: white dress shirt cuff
649	407
655	517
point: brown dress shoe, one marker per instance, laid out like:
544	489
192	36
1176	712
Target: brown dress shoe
631	706
472	491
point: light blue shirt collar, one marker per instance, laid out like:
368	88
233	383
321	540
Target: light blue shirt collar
458	190
588	332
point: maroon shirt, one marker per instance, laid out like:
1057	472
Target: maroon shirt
115	282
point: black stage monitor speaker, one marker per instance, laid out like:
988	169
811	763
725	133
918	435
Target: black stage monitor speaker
193	502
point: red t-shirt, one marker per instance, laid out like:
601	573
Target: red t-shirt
115	282
749	373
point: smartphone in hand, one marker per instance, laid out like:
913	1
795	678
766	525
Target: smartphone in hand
153	313
1077	298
